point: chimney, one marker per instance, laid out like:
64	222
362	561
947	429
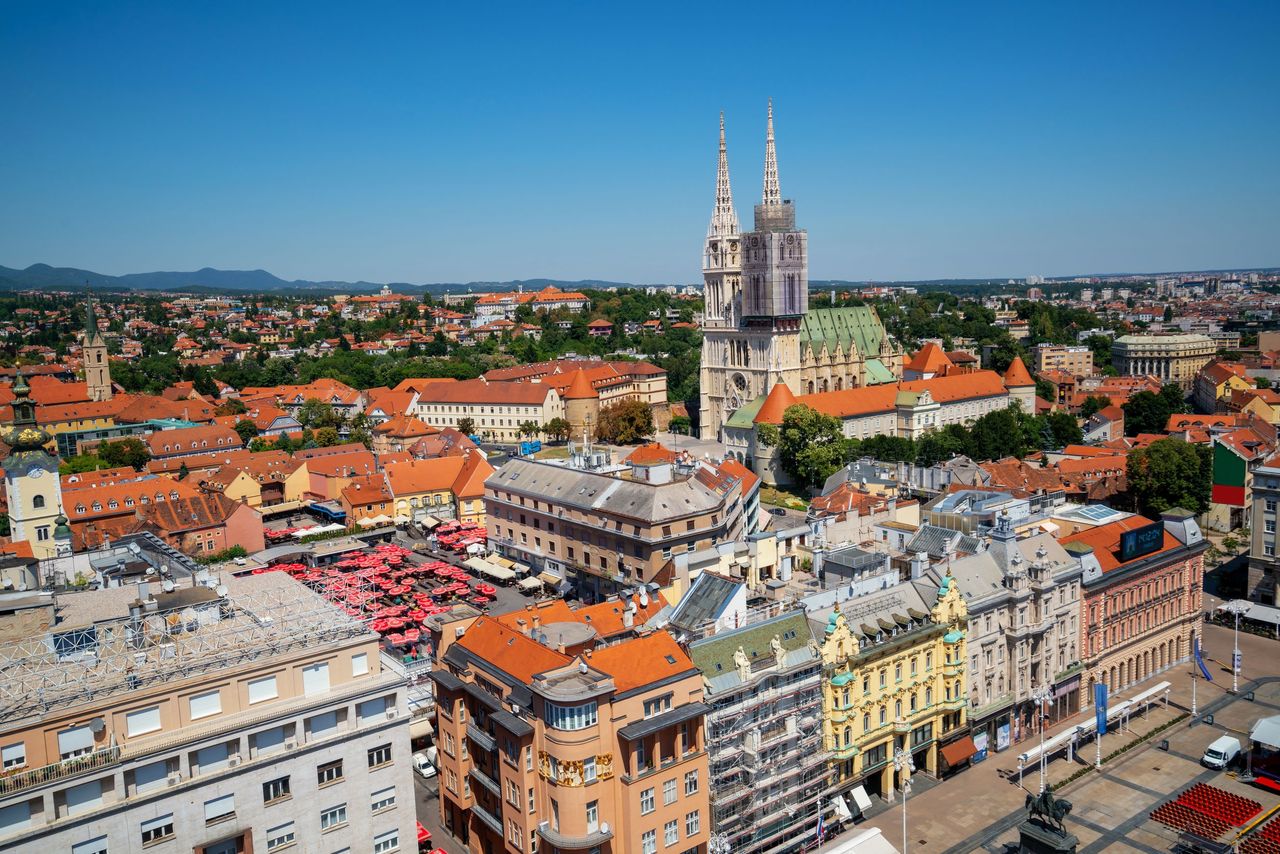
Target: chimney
523	625
537	622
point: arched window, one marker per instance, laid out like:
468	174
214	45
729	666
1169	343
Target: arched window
37	501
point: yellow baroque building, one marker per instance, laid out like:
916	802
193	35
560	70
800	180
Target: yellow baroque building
894	678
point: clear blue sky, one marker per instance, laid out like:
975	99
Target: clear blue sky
436	141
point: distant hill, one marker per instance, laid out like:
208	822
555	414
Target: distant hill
43	276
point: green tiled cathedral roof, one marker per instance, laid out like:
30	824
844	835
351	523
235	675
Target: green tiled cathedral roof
744	418
856	325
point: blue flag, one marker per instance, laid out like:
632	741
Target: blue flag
1200	662
1100	706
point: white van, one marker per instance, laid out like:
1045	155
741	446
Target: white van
1223	751
425	763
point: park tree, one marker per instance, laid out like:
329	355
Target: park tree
81	463
1146	412
557	429
530	429
1170	473
1065	428
467	425
938	446
129	451
625	422
326	437
810	445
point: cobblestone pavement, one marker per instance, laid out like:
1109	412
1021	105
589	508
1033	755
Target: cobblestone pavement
980	808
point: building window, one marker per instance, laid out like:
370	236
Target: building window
206	704
669	792
360	664
156	829
333	816
571	717
385	842
383	799
379	756
692	823
646	802
874	756
14	755
262	689
275	790
330	772
593	816
691	783
280	836
219	809
649	842
657	706
671	832
589	769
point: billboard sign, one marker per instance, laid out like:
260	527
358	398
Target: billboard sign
1141	541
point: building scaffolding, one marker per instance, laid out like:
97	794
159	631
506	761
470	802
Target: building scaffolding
211	628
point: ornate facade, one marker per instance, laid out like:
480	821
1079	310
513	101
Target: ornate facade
895	678
758	329
31	481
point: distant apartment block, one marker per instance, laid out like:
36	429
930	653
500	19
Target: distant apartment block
1076	361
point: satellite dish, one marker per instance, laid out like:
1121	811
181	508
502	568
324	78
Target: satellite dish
166	586
604	827
221	590
97	725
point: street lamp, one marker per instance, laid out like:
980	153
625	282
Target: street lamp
1236	607
1041	698
904	765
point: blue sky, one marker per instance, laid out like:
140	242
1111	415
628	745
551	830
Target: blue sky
455	142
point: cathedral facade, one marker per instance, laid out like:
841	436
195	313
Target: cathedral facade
758	329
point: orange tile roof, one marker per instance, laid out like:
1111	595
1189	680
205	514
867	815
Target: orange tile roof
1017	376
881	398
204	439
128	496
652	453
1183	422
481	391
510	651
642	661
1105	540
463	476
930	359
733	468
775	405
580	388
1090	451
401	426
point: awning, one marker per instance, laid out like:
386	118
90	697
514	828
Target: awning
959	750
421	726
841	809
483	567
529	583
520	569
860	799
1267	732
429	522
550	579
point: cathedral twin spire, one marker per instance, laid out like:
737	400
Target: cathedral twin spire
724	219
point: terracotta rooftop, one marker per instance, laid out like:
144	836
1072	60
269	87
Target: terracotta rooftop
775	405
1018	376
1105	540
930	359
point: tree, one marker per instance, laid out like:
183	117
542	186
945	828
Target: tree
81	463
1066	429
183	472
1168	313
246	429
557	429
467	425
680	424
129	451
1148	413
889	449
1262	382
231	406
316	413
1170	473
1000	434
1093	404
326	437
810	444
530	429
625	422
938	446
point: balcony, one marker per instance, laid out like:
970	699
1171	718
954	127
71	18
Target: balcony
485	780
63	770
481	738
562	840
490	820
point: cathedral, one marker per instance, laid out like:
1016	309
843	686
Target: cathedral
758	329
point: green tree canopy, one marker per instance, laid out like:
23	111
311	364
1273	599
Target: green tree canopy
1170	473
625	422
810	445
129	451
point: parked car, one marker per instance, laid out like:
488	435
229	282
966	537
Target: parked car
1224	751
425	763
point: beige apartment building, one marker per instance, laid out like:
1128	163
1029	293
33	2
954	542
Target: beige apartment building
606	530
496	409
553	740
1077	361
214	716
1169	358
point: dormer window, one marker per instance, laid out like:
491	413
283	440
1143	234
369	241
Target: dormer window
113	504
97	506
173	495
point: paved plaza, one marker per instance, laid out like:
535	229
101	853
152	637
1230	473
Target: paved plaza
979	809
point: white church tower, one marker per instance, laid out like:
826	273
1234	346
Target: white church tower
31	479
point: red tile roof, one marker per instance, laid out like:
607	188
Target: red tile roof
930	359
1018	376
1105	540
775	405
